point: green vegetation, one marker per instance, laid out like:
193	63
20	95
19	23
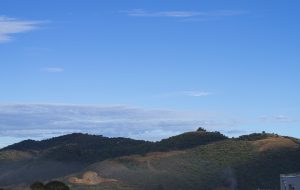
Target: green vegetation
263	170
208	166
194	160
82	147
257	136
226	164
189	140
37	186
14	155
91	148
201	129
53	185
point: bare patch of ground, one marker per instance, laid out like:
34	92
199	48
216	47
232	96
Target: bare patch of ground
275	143
90	178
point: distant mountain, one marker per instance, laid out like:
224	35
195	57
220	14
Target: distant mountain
194	160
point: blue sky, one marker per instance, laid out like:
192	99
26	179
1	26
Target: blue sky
235	60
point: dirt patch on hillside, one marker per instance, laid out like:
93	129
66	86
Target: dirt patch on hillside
275	143
90	178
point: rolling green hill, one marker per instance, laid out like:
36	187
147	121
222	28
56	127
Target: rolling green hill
80	148
91	148
195	160
229	164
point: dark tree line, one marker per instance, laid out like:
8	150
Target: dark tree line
53	185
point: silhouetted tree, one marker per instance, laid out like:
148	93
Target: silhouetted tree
37	186
56	185
201	129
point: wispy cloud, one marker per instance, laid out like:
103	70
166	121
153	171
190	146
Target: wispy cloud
195	93
186	93
42	121
10	26
144	13
184	14
53	69
282	118
38	121
278	119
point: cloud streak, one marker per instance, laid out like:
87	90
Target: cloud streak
43	121
186	94
39	121
195	93
10	26
183	14
283	119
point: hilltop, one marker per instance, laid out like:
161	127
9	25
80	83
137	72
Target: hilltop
87	148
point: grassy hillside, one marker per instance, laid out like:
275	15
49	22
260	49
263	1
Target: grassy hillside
188	140
195	160
14	155
209	167
229	164
59	156
91	148
80	148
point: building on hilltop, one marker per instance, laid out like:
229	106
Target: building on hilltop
290	181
